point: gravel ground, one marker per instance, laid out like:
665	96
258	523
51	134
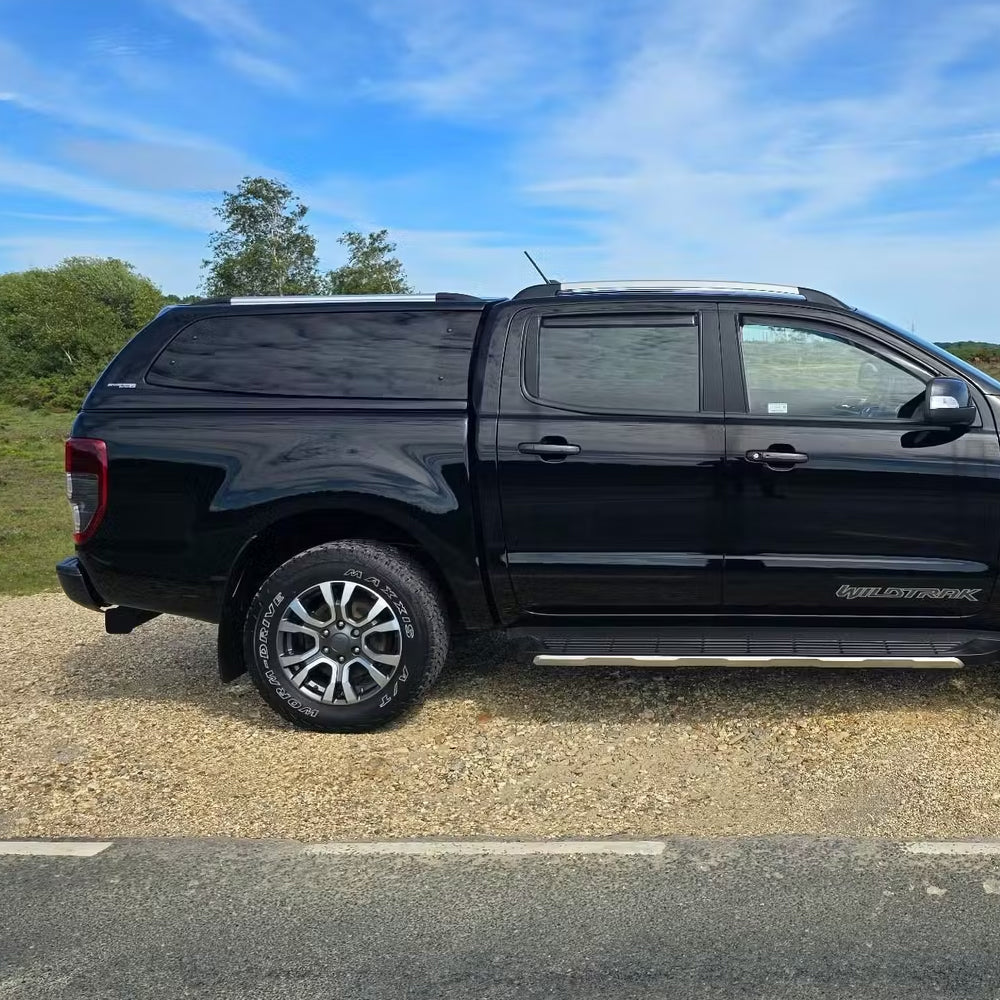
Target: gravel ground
135	736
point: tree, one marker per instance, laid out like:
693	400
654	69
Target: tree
60	326
371	268
264	246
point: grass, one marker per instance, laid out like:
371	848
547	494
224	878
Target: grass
990	367
35	520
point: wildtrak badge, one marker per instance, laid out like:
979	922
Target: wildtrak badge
910	593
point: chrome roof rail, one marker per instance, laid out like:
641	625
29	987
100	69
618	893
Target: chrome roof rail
402	299
291	300
678	287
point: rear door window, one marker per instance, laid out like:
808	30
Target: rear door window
615	365
377	355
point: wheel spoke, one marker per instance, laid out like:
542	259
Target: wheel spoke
326	589
345	599
350	695
392	626
389	659
287	626
299	611
290	659
377	676
331	688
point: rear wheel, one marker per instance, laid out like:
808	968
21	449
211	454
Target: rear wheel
345	636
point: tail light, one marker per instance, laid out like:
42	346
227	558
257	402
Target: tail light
86	484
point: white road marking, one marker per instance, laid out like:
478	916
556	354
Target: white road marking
508	848
953	847
55	848
518	848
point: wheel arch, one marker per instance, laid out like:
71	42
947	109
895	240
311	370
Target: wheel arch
288	535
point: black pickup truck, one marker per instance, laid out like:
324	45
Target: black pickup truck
656	474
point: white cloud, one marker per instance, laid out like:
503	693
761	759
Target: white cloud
242	40
486	59
658	137
698	139
227	20
481	263
135	58
59	218
702	159
266	72
59	94
148	154
160	166
180	212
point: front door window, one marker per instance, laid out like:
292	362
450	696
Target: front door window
798	372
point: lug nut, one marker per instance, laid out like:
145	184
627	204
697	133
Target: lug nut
340	658
355	632
356	650
326	631
340	624
326	649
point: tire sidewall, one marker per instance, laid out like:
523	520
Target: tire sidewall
261	639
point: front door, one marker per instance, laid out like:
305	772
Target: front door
610	447
841	502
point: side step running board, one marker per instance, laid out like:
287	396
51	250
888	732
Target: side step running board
765	646
908	662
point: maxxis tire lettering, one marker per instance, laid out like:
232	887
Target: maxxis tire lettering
264	652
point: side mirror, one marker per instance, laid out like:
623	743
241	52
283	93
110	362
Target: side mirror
948	403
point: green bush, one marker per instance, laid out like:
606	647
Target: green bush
60	326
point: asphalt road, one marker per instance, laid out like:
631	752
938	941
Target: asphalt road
761	918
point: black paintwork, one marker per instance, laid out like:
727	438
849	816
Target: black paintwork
76	584
656	515
878	494
633	522
189	488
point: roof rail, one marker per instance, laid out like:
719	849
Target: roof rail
726	287
266	300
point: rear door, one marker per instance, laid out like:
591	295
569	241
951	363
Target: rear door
610	448
841	503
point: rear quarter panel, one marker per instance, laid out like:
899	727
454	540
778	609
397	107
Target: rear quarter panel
190	486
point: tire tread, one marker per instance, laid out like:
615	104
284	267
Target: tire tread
425	595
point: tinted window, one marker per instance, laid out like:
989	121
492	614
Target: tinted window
805	373
621	368
416	354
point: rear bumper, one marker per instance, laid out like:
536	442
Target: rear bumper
77	586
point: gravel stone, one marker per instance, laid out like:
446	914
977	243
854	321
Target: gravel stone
105	736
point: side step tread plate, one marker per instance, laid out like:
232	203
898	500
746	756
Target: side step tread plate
772	647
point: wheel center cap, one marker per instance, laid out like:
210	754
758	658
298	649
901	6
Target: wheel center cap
340	643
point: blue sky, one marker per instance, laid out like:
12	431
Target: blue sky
853	145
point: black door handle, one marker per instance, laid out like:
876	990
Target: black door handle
549	449
771	458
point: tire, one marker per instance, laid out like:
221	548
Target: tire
357	674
